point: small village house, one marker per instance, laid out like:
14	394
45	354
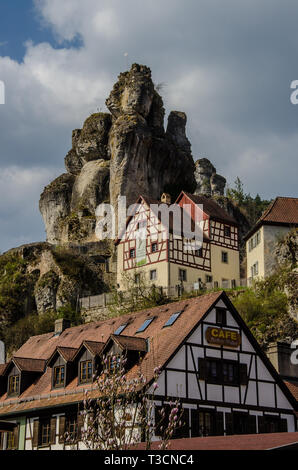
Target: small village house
164	259
280	217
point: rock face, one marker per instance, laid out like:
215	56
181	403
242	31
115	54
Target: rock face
127	153
50	277
209	183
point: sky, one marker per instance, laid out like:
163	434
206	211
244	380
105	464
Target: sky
227	64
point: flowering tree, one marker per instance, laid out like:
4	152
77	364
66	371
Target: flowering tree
123	412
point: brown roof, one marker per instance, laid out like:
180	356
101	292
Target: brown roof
211	208
30	365
130	343
67	353
94	347
282	211
3	368
236	442
163	344
293	387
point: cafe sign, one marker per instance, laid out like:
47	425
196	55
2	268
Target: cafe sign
222	337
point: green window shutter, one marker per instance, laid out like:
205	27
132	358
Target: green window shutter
195	428
219	423
243	374
53	431
35	439
80	425
229	424
62	421
202	369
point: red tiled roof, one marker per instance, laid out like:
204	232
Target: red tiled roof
67	353
94	347
211	208
163	344
236	442
185	221
282	211
293	387
3	368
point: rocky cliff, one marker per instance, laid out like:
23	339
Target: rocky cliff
127	152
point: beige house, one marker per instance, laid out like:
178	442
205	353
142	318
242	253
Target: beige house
280	217
163	258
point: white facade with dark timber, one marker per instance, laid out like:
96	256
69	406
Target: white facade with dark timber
164	257
257	401
208	358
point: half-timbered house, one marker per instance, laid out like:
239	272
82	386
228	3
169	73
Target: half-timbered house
164	257
209	360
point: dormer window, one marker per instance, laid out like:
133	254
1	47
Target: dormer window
14	385
86	371
227	231
59	376
114	363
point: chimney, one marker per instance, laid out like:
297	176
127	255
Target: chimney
2	352
60	325
166	198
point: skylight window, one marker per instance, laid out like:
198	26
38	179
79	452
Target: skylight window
120	329
145	325
173	318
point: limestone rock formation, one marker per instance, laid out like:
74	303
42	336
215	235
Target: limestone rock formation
55	206
127	153
51	277
209	183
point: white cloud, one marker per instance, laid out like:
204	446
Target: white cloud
229	73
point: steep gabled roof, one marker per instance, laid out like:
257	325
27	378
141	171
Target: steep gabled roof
211	208
282	211
94	347
67	353
185	220
3	368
